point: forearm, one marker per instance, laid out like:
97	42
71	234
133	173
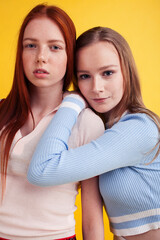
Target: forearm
94	233
92	210
125	144
54	140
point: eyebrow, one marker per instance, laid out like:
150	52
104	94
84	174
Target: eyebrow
101	68
108	66
49	41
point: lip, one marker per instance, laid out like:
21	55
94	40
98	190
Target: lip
100	100
40	73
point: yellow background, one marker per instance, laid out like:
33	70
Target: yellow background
137	20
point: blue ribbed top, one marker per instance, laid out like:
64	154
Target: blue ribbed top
130	187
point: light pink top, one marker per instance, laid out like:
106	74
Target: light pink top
42	213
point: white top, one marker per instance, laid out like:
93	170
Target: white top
32	212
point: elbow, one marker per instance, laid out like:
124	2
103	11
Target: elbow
42	173
41	178
37	180
33	177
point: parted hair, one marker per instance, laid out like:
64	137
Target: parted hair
132	97
14	109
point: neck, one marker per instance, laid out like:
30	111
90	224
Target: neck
44	100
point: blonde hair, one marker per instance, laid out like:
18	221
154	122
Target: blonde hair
132	97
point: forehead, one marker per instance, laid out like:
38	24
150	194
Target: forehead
43	27
97	54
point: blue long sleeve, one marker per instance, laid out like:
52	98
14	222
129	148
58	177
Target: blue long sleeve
125	144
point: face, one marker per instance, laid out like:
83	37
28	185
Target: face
44	53
99	76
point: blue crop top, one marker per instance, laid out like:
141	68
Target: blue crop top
128	184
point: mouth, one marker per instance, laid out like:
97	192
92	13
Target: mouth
100	100
40	71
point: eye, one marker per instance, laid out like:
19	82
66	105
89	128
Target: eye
107	73
55	47
83	76
30	45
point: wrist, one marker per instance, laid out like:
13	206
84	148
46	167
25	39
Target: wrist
73	101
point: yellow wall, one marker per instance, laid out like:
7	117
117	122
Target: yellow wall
137	20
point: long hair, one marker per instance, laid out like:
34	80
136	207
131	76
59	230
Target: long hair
132	97
15	108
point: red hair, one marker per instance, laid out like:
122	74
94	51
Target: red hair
15	108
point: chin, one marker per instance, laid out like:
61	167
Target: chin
99	110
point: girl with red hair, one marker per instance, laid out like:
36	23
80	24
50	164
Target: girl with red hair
43	72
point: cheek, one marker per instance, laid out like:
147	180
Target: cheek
65	62
120	86
120	91
26	59
27	65
82	87
61	63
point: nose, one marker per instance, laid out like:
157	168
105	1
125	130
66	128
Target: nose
42	56
97	84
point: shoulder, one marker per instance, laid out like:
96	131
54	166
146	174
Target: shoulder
139	129
88	119
88	127
88	114
140	121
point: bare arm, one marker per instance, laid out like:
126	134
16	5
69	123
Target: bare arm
92	210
